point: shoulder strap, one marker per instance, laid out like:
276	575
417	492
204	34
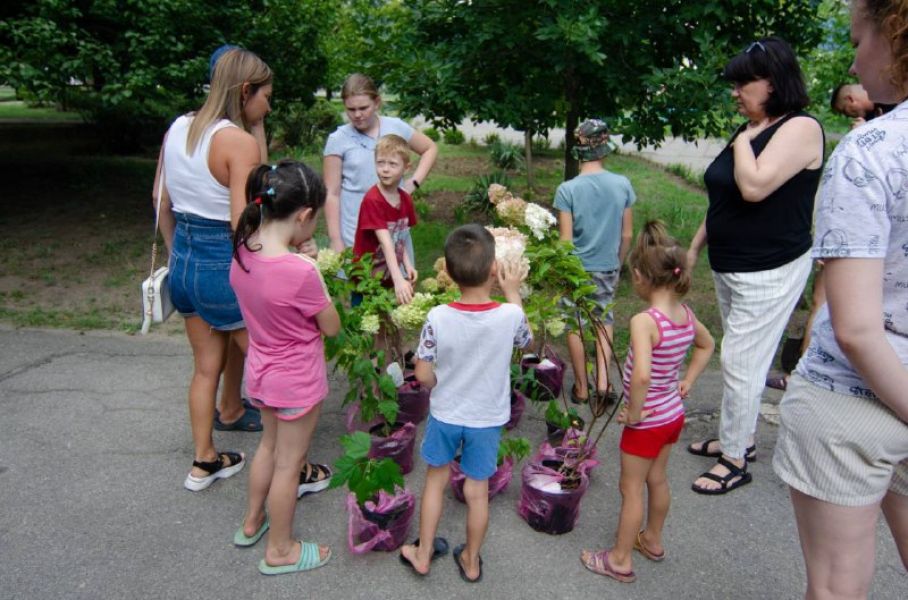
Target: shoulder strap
146	323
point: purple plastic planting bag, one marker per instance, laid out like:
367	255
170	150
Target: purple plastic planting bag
398	446
498	482
396	510
413	400
518	405
570	450
549	373
543	504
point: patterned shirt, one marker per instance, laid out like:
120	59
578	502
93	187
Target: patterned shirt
863	213
662	397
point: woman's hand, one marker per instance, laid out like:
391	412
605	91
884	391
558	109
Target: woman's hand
754	129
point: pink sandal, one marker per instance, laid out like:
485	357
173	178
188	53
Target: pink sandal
597	562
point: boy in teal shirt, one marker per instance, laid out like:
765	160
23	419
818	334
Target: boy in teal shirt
595	214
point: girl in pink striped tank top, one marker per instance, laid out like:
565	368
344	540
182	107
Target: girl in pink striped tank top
653	413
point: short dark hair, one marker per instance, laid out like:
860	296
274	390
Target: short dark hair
469	254
773	59
834	101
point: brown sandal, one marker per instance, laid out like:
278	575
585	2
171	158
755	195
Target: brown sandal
640	547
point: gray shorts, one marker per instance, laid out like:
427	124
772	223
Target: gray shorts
841	449
606	283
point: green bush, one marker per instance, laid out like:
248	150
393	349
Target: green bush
454	137
305	127
491	138
541	143
477	199
432	133
505	155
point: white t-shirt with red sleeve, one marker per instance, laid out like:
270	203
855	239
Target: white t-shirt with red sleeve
471	346
279	298
377	213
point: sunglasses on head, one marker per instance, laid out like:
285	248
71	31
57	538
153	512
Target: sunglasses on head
755	45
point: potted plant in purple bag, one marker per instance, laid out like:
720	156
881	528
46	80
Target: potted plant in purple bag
510	452
380	508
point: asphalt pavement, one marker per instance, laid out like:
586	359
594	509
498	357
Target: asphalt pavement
95	443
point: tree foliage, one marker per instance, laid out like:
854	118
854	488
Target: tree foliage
651	67
130	65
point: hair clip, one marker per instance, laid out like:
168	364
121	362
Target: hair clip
274	167
257	200
270	191
756	44
677	271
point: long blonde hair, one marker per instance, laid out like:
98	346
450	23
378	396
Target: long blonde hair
225	99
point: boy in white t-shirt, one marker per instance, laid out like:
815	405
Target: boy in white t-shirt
470	344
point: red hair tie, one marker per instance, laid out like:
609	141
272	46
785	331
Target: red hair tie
257	200
677	271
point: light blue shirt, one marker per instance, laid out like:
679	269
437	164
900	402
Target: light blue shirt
357	153
596	202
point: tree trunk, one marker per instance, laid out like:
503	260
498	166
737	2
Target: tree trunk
528	152
571	89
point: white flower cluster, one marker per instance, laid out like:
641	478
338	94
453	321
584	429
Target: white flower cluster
510	245
369	324
512	211
538	219
329	261
498	193
413	315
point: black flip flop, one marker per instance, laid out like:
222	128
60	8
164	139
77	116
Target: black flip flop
439	548
463	574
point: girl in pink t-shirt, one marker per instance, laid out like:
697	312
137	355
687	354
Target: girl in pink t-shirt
653	413
286	309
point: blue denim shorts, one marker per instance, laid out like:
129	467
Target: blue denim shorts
200	272
478	446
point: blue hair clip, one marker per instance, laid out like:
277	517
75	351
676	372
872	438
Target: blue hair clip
274	167
270	191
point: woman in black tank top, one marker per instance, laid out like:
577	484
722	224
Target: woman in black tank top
761	190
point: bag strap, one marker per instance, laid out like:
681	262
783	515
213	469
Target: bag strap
146	322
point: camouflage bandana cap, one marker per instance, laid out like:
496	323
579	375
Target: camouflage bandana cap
592	139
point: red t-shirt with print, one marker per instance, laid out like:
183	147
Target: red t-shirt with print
376	213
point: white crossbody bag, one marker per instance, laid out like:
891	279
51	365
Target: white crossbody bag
156	304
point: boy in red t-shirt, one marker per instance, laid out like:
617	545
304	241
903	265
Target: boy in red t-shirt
385	216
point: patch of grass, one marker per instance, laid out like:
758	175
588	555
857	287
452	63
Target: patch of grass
428	245
49	317
14	109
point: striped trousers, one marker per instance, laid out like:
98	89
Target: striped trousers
755	309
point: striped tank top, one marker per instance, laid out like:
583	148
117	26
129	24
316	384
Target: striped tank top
668	355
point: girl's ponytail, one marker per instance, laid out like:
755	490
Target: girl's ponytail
251	217
659	259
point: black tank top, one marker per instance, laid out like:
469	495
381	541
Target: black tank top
743	236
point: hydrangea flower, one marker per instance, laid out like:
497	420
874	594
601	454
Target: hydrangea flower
510	245
413	315
538	219
429	284
555	327
512	211
498	193
369	324
329	261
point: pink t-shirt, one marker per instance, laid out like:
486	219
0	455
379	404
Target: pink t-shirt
279	298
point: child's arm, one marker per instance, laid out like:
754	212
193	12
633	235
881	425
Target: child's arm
425	374
644	333
402	288
565	226
509	281
703	349
328	321
627	234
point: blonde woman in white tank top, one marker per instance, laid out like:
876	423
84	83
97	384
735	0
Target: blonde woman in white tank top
207	157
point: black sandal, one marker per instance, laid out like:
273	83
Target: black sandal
227	465
736	477
314	478
750	454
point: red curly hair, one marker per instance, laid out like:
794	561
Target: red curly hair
891	17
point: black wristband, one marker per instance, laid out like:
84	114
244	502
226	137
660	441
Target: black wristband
415	183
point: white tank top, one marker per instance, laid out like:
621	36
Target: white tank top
190	184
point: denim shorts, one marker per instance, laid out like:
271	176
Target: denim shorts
478	446
200	272
606	283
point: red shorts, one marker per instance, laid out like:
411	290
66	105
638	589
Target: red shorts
648	443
